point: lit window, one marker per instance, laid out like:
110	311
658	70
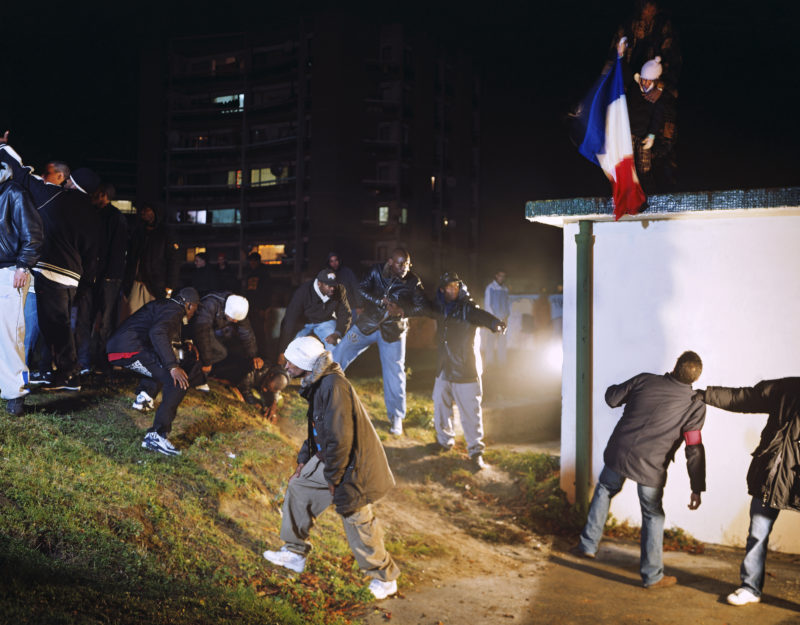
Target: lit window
191	252
403	215
265	176
270	254
125	206
225	216
235	178
383	215
233	103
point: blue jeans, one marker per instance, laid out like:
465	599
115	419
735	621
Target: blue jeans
320	330
393	366
762	518
35	348
609	484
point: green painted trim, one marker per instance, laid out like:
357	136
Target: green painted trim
670	204
583	365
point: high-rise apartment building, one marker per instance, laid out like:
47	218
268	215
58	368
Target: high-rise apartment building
328	134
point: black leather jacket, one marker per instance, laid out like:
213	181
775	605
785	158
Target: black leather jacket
457	323
20	225
406	292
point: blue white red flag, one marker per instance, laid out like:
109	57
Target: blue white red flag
604	137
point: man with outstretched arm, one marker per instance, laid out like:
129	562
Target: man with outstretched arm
773	480
660	414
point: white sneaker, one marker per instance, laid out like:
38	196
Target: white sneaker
287	559
155	442
397	427
742	596
381	590
143	402
203	387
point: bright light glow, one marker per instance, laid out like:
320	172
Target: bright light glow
270	254
554	355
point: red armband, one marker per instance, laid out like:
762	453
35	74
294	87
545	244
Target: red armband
693	437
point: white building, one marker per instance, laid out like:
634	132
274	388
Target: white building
717	273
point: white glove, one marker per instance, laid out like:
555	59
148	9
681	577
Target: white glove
623	43
648	141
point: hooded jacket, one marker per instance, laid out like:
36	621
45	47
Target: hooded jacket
774	473
406	292
20	225
306	306
340	433
210	322
659	413
456	328
154	327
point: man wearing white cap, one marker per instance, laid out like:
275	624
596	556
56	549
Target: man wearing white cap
225	340
342	462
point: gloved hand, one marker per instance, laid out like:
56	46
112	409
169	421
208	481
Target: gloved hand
623	43
648	141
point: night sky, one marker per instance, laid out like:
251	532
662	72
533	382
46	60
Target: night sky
70	87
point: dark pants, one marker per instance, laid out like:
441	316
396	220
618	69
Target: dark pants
229	360
53	306
102	299
157	378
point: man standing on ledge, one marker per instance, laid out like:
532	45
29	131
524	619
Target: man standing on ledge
391	294
660	414
342	462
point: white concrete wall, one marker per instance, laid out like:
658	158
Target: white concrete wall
727	288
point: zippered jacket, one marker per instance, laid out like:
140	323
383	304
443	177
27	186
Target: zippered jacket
20	225
774	474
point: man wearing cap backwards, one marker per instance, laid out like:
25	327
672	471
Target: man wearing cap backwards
318	307
225	340
390	294
143	344
458	378
342	462
69	257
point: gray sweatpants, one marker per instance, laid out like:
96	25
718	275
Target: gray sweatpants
467	397
308	496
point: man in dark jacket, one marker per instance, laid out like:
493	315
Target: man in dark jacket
345	277
772	480
320	307
101	298
660	414
342	462
391	294
458	372
225	341
144	344
151	266
68	257
20	245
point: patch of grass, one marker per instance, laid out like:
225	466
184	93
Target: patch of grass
543	506
414	545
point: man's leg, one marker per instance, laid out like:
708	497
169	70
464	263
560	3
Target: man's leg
652	541
13	371
352	346
468	400
106	297
324	330
365	537
54	302
443	412
83	327
155	375
307	496
31	328
608	484
393	367
762	518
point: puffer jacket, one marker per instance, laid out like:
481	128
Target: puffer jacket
340	433
210	324
774	474
20	225
154	327
406	292
456	328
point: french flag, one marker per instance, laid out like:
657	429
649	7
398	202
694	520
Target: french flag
604	137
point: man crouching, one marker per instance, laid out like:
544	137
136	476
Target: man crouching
341	462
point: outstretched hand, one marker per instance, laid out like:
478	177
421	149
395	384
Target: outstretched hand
695	501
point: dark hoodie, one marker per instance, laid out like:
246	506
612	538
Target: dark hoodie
340	433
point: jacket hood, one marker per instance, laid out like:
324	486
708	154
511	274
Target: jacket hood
323	366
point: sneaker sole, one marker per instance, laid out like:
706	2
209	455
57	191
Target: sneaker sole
160	450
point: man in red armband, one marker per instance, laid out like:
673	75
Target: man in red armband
660	414
772	480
